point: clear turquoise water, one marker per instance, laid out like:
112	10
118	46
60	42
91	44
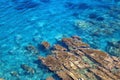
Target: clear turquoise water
24	22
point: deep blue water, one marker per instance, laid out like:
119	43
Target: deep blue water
24	22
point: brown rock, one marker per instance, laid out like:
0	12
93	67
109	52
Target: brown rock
76	37
46	45
59	48
50	78
49	61
115	58
63	75
74	43
80	62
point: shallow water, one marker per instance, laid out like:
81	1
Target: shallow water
24	22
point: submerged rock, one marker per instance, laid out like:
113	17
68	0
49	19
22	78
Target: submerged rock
14	73
113	48
32	49
81	62
28	69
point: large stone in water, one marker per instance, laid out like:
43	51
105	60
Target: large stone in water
82	62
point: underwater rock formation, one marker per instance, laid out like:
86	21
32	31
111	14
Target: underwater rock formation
113	48
77	61
32	49
82	24
14	73
28	69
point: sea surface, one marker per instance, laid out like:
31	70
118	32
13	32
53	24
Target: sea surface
30	22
